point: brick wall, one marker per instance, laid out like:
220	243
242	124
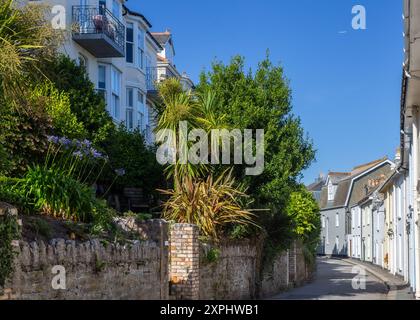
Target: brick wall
184	267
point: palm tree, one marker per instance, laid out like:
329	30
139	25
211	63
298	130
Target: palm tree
26	39
177	106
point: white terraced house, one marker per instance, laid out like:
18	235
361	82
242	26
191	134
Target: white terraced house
121	56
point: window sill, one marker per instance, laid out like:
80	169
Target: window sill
134	66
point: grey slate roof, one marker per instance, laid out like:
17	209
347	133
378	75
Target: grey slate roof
358	192
137	14
162	37
316	186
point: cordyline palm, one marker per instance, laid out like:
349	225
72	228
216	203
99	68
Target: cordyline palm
210	203
25	39
208	119
177	105
198	110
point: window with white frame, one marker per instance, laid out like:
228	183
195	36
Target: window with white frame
116	8
337	219
102	6
129	47
129	121
116	92
102	80
337	243
323	222
140	110
327	230
331	191
140	49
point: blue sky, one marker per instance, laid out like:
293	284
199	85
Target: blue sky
346	85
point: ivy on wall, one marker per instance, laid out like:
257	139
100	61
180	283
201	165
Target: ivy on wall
9	231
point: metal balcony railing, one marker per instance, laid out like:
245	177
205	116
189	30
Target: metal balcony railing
95	20
151	78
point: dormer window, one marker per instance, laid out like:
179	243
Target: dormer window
331	191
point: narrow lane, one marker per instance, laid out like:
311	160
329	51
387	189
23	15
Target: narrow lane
333	281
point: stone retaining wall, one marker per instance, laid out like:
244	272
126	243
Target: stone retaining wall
167	263
91	271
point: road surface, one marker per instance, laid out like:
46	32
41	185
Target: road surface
334	281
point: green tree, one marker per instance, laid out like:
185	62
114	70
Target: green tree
262	100
304	211
87	104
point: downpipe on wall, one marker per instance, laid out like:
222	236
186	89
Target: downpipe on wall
416	125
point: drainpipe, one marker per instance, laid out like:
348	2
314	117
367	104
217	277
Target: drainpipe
416	198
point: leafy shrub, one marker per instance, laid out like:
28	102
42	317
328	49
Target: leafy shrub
211	204
11	194
128	150
57	106
55	193
24	136
102	217
5	163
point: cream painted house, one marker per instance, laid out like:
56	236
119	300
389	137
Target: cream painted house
120	53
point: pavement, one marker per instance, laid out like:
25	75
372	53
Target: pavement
398	289
342	279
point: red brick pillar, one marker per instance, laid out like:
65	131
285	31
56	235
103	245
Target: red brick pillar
184	262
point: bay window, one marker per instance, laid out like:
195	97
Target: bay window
116	92
116	8
102	80
129	121
129	57
140	110
140	49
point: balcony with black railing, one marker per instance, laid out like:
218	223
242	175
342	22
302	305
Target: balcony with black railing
151	78
98	31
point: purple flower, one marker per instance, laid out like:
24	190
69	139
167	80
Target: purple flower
65	142
78	154
120	172
53	139
76	143
96	154
86	143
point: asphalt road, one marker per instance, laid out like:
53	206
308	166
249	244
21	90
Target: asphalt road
335	280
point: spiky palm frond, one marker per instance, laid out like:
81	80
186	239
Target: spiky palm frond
210	203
